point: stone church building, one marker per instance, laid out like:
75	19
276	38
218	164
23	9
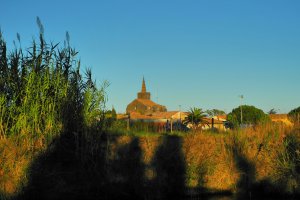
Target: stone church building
143	103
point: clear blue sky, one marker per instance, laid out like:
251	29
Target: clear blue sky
201	53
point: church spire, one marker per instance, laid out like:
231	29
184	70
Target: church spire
143	94
143	85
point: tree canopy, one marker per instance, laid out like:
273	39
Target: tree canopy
214	112
294	115
196	118
250	115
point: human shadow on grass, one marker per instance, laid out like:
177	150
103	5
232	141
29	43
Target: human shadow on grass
247	172
60	173
169	165
125	174
250	188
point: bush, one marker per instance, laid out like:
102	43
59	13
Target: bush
294	115
251	116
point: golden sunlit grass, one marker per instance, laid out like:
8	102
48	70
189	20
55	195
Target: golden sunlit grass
14	161
216	162
210	159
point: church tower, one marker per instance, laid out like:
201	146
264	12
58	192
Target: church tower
143	104
143	94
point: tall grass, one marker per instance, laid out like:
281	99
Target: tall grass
43	95
288	163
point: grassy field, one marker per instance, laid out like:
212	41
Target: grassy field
263	161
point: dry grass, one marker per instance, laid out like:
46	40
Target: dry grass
209	158
14	161
215	162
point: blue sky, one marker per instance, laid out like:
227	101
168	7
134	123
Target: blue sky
201	53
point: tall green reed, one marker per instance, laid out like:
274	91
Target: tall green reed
44	94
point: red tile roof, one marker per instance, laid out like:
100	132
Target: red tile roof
208	120
147	102
136	115
164	115
155	115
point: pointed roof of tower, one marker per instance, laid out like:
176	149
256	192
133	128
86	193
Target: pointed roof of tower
143	86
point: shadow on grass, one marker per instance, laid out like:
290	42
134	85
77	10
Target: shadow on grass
60	173
250	188
247	173
169	165
95	171
125	177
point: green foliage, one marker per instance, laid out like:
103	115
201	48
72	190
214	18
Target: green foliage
43	93
113	113
93	105
119	125
294	115
251	115
43	98
111	119
143	126
214	112
196	118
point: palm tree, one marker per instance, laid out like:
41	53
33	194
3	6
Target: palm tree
196	118
272	111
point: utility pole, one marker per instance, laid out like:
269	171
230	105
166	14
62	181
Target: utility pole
241	96
180	117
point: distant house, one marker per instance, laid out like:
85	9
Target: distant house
213	123
220	122
174	116
281	118
159	121
221	117
143	104
170	115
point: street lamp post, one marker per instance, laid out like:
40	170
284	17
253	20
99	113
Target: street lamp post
241	96
180	117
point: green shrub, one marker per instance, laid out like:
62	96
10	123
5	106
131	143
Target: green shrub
294	115
250	115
